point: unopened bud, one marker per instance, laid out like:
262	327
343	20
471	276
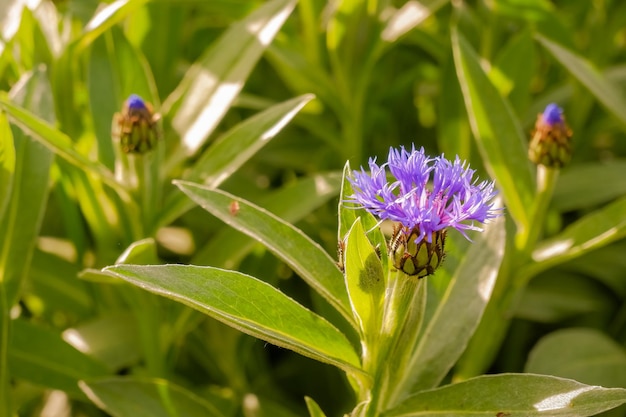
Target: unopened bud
137	126
416	257
551	140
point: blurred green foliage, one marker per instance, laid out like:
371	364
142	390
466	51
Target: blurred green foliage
228	76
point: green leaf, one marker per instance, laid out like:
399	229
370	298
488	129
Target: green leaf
7	162
314	409
497	131
365	281
591	357
592	231
233	149
115	70
349	214
247	304
132	396
112	338
42	357
589	76
56	141
296	249
291	203
210	86
511	395
458	313
106	17
577	187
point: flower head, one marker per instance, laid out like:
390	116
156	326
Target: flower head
137	126
428	194
425	196
550	144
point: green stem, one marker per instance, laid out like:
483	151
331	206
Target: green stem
5	324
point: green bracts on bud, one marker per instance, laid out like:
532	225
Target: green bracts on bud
550	144
136	128
413	257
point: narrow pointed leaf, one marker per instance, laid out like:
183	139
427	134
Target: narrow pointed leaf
132	396
296	249
592	231
459	311
108	16
291	203
7	162
364	279
233	149
211	85
511	395
247	304
55	140
589	76
314	409
348	215
497	131
42	357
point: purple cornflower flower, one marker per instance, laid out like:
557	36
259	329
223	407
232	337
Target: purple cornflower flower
553	114
135	102
427	194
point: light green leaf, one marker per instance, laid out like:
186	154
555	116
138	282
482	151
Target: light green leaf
106	17
589	76
210	86
7	162
296	249
592	231
408	17
365	281
132	397
349	213
40	356
314	409
497	131
577	188
291	203
247	304
112	338
591	357
56	141
458	313
233	149
511	395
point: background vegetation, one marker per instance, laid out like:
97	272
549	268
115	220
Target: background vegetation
326	82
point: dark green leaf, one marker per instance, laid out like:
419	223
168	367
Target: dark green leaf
590	357
132	397
247	304
40	356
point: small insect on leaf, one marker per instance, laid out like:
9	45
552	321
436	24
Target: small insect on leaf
233	208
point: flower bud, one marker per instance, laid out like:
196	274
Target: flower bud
551	140
416	256
137	126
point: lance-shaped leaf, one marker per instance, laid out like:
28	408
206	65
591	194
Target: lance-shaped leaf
211	85
108	16
511	395
589	76
365	281
314	409
7	162
42	357
595	230
247	304
296	249
131	397
497	131
348	215
457	314
233	149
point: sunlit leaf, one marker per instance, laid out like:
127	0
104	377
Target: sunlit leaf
503	395
296	249
247	304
